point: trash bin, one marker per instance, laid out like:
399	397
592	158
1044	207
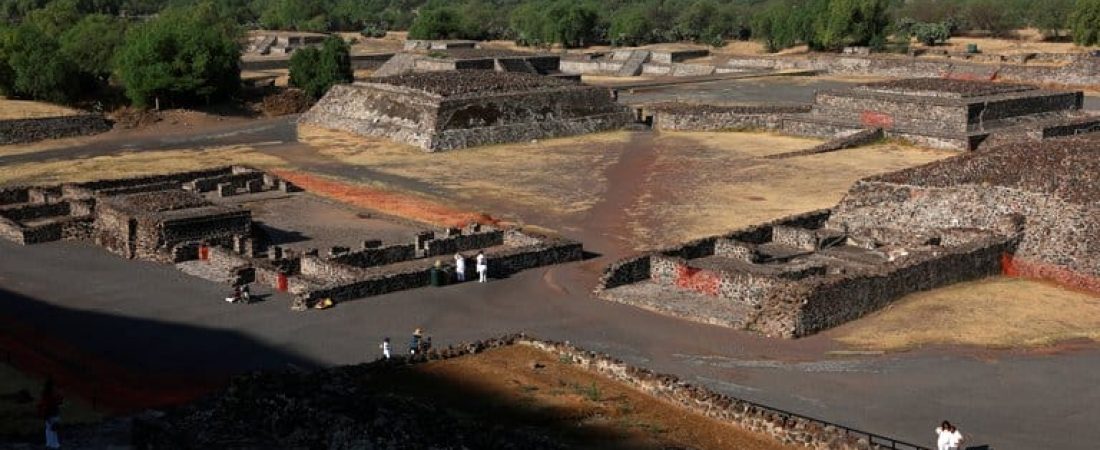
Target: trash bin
435	276
972	48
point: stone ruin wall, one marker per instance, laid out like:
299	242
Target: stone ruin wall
686	117
807	300
1083	71
22	131
524	116
436	123
785	427
398	113
1068	237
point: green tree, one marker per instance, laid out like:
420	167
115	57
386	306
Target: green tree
91	44
529	24
179	57
1085	22
316	70
301	15
930	33
56	17
443	22
852	22
989	15
631	26
570	23
1051	17
35	67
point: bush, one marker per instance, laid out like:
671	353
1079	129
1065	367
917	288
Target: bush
437	23
91	44
316	70
180	56
1085	22
930	34
373	31
631	27
35	68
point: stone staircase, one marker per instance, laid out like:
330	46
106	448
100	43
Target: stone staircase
632	66
516	65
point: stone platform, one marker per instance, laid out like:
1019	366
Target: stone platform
450	110
943	113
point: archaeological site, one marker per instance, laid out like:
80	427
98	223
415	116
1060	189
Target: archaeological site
439	111
1011	209
236	225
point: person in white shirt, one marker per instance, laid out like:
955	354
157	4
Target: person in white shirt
482	267
948	437
460	267
385	348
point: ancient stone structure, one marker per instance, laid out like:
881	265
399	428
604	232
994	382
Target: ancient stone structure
634	62
324	417
942	113
193	220
21	131
960	219
148	225
431	56
457	109
694	117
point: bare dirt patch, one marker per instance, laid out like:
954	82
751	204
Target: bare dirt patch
996	312
584	410
133	164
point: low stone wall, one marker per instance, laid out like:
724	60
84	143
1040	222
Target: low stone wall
686	117
21	131
806	309
787	428
849	140
450	245
380	256
624	271
179	427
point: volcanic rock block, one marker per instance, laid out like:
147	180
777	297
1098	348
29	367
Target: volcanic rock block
449	110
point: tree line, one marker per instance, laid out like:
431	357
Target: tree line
180	51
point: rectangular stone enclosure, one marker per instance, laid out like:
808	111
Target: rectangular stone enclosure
438	111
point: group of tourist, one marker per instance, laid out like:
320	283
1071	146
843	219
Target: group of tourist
419	344
948	437
481	265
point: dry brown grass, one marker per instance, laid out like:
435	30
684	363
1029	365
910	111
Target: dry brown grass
580	408
23	109
561	176
997	312
709	183
133	164
1026	41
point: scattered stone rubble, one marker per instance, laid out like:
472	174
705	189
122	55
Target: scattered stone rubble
340	408
449	110
1030	209
175	219
21	131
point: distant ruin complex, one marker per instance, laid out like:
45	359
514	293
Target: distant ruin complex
934	112
196	221
450	110
1027	209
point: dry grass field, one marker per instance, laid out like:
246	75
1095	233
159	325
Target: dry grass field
133	164
690	184
25	109
996	312
577	407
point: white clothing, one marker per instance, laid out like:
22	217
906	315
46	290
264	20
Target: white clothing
51	433
386	349
460	267
947	440
482	269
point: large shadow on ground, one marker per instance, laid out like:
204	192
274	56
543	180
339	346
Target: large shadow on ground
117	373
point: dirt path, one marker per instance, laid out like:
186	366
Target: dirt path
606	227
